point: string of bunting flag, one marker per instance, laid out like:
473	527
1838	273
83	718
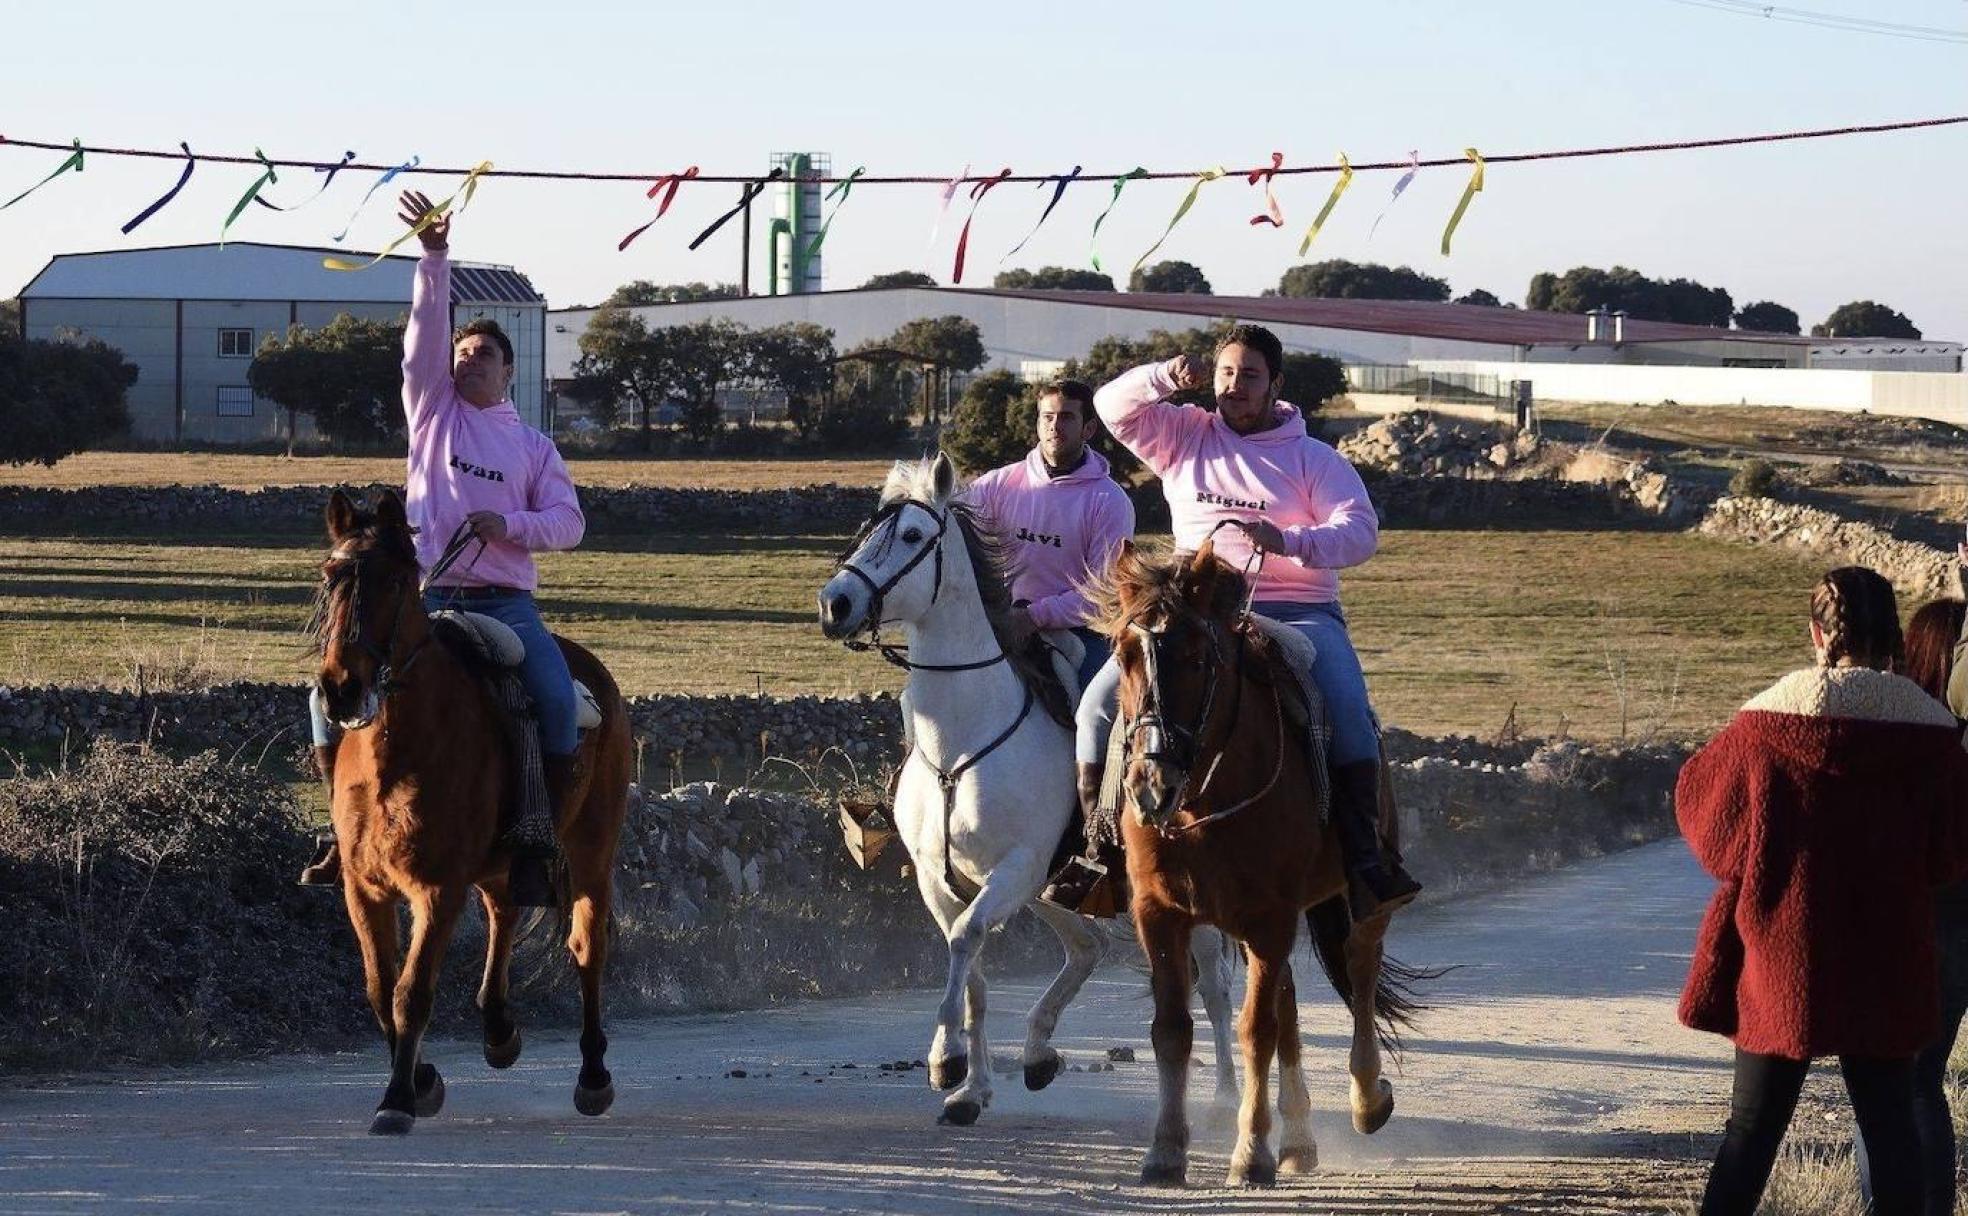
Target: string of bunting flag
667	184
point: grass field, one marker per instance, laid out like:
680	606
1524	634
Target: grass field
1598	632
253	472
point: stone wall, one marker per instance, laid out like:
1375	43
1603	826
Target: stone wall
1916	571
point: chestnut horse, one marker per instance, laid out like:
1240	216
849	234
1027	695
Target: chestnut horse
421	778
1227	830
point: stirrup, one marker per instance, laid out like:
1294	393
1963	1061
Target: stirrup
1083	886
326	868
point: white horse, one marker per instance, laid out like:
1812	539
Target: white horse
988	786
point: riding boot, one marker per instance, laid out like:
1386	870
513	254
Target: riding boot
531	879
1094	883
326	868
1377	883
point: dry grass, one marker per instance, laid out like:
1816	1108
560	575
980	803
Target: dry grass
1458	630
253	472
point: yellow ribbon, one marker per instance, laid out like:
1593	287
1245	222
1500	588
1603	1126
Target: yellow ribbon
1468	192
1188	201
438	211
1332	200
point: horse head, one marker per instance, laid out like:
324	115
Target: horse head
897	567
1174	626
368	613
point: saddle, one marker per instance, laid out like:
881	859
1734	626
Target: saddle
493	644
1305	712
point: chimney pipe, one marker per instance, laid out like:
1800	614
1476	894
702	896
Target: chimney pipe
1592	326
1619	327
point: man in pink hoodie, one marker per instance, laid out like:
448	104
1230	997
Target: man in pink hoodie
1251	463
1059	517
475	465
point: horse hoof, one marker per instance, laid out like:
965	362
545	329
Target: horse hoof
593	1102
1299	1159
392	1123
430	1093
950	1073
960	1112
505	1054
1375	1117
1256	1175
1039	1073
1165	1174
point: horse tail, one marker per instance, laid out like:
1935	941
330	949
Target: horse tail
1396	1005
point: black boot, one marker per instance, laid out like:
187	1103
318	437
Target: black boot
1095	883
326	868
531	879
1378	884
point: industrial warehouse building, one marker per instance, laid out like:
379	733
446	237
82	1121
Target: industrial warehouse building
1563	356
191	317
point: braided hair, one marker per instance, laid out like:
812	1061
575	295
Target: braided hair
1855	608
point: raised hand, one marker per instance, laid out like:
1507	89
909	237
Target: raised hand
1188	372
415	205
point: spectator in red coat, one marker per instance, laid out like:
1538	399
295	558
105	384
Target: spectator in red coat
1829	809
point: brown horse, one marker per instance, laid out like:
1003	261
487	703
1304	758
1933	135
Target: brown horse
420	779
1226	830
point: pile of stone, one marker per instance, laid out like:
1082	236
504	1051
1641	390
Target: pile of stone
704	845
1842	473
1419	444
1914	569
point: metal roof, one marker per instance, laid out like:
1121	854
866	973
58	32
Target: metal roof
1413	318
246	270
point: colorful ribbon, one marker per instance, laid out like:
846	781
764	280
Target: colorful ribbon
1414	167
1272	215
1188	201
1332	200
977	193
331	171
837	196
380	182
667	186
1093	248
73	162
252	193
1468	192
191	162
438	211
1058	192
943	208
752	190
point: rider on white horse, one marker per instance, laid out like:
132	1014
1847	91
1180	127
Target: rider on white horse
1251	463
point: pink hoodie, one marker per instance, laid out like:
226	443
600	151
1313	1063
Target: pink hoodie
1211	473
465	459
1055	531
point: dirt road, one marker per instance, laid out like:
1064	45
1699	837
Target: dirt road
1552	1078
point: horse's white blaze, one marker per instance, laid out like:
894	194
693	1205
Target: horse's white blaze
365	714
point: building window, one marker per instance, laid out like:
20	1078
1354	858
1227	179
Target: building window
235	343
235	401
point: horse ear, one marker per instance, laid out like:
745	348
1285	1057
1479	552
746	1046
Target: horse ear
1201	580
943	477
341	516
389	513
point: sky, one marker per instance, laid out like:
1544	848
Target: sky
1038	87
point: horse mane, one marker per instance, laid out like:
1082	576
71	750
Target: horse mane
1158	580
990	570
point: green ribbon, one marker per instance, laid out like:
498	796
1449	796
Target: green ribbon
438	211
1093	248
74	162
1468	192
253	193
1332	200
1188	201
837	196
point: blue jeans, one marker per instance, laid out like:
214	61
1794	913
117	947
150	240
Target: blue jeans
1097	650
544	673
1336	671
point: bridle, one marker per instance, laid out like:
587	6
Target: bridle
390	675
890	516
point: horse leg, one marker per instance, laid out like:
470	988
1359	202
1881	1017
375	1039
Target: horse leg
962	1107
1165	937
1084	946
501	1032
1211	950
587	941
415	1088
995	901
1372	1096
1298	1152
1268	950
374	921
